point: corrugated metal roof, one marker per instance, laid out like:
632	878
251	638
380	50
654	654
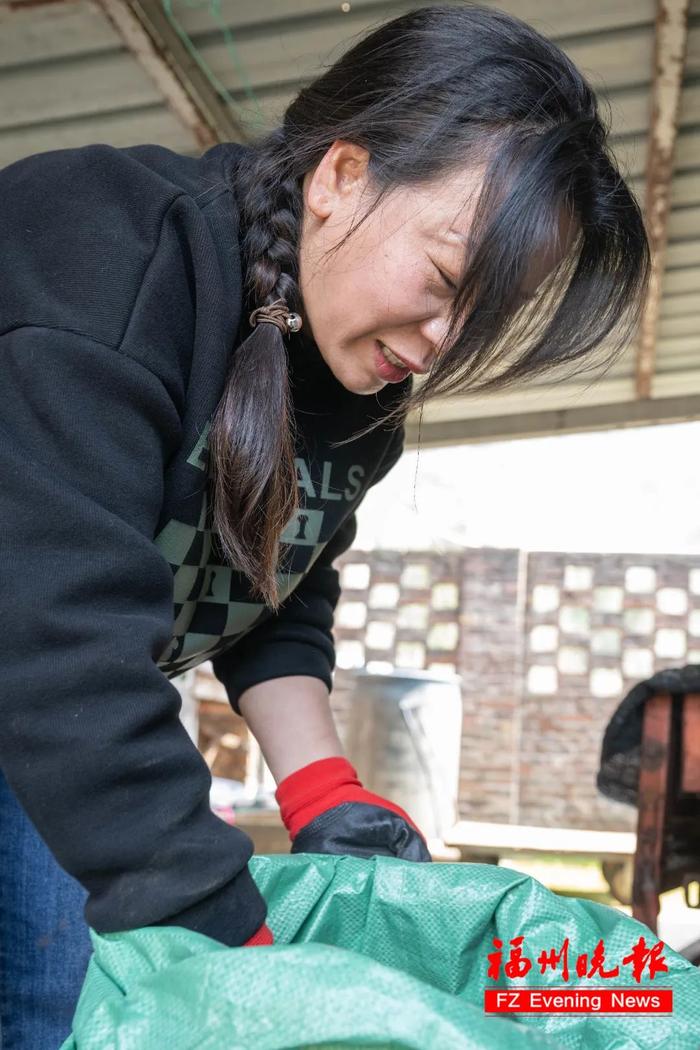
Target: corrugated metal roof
67	79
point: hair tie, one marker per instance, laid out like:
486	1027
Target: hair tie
278	314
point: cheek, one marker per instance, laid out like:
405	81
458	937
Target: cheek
392	292
365	293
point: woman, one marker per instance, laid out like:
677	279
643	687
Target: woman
207	364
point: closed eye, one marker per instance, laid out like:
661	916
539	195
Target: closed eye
446	280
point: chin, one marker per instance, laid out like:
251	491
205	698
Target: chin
369	386
357	382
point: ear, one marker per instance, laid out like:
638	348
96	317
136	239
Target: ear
340	175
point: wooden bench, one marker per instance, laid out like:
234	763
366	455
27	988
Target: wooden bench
501	840
477	840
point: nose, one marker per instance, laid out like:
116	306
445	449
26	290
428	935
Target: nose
434	329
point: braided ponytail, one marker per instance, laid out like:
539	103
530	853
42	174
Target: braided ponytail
252	438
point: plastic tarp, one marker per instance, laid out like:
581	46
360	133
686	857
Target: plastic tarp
378	952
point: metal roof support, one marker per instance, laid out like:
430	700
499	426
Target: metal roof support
156	45
670	43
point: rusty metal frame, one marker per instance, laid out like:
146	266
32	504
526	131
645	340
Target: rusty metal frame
652	802
670	44
690	769
154	43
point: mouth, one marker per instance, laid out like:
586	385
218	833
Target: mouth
390	366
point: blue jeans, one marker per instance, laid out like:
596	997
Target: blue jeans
44	941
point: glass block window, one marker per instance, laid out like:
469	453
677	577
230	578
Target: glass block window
384	596
638	663
670	643
410	654
572	660
445	596
544	638
608	599
379	635
542	680
640	579
578	578
349	654
355	576
694	581
545	598
605	681
413	615
606	642
351	614
443	636
444	667
672	600
639	621
416	576
574	619
694	623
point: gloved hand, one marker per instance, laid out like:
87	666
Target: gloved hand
325	809
261	936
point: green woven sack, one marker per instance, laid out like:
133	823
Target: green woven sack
379	952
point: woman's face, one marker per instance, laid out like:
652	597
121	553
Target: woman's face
388	284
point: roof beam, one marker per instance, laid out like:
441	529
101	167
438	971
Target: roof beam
156	45
555	421
670	42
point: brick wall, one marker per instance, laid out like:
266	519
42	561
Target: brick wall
546	645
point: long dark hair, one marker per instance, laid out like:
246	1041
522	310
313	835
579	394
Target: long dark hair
427	94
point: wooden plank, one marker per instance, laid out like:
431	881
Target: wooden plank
514	838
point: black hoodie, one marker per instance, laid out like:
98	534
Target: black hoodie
120	310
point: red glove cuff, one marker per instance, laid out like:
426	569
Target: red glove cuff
320	786
263	936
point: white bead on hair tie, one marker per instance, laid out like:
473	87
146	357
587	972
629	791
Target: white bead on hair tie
278	314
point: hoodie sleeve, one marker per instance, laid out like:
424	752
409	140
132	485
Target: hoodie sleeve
91	741
298	638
